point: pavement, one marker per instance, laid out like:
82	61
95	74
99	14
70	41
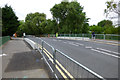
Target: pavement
100	57
19	60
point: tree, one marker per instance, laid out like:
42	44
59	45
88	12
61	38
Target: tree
35	23
9	21
21	28
96	29
107	27
70	17
104	23
51	27
112	6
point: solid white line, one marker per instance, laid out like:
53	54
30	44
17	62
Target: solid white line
115	52
106	53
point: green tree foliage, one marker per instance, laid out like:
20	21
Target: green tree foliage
51	27
105	23
21	28
112	6
35	23
110	30
108	27
104	27
9	21
96	29
70	17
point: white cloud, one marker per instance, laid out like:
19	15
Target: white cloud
94	8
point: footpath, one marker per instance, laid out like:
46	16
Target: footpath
19	60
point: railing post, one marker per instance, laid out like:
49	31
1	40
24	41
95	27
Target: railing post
104	36
42	46
54	60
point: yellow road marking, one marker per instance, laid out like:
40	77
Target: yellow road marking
64	76
59	64
61	72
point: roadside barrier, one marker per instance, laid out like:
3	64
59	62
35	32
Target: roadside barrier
61	65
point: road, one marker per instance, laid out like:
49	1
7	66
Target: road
101	58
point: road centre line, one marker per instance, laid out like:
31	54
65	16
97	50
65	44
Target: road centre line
106	43
73	44
88	47
99	49
105	53
108	51
64	42
80	44
59	64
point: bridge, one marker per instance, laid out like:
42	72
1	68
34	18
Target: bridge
66	58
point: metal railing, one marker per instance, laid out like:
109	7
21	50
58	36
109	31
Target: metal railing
97	36
61	65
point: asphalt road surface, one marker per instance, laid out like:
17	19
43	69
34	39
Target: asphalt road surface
100	57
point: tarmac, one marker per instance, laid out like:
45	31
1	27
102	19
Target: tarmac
19	60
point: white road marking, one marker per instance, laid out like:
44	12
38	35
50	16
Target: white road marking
3	55
89	47
54	40
73	44
64	42
51	59
108	51
105	53
80	44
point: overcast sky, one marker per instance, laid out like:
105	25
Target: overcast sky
94	8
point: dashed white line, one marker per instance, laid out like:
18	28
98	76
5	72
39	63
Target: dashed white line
54	40
2	55
80	44
105	53
64	42
88	47
73	44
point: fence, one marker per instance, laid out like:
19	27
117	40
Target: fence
97	36
4	39
63	66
